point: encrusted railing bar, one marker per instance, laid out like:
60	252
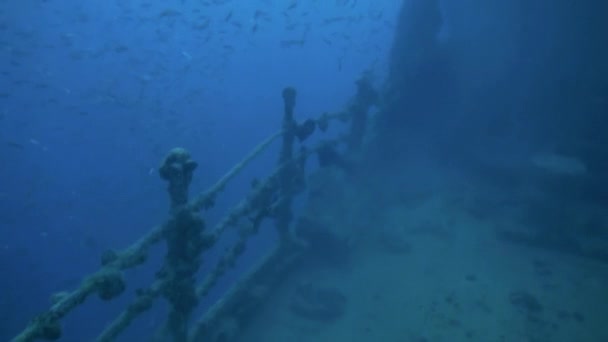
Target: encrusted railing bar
143	302
268	187
251	290
243	298
207	198
46	325
228	259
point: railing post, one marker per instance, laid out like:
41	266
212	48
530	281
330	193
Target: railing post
185	243
283	212
366	97
177	169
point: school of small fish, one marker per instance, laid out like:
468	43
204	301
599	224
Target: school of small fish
164	43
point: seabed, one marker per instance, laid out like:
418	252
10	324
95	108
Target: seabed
432	269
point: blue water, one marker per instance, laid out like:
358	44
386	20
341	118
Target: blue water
475	209
94	94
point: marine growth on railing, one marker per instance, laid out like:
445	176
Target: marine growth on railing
187	237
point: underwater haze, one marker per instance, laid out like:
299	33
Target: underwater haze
94	94
420	171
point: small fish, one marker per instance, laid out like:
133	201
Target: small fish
89	242
228	16
15	145
203	25
333	20
259	14
121	48
169	12
292	42
41	85
187	55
